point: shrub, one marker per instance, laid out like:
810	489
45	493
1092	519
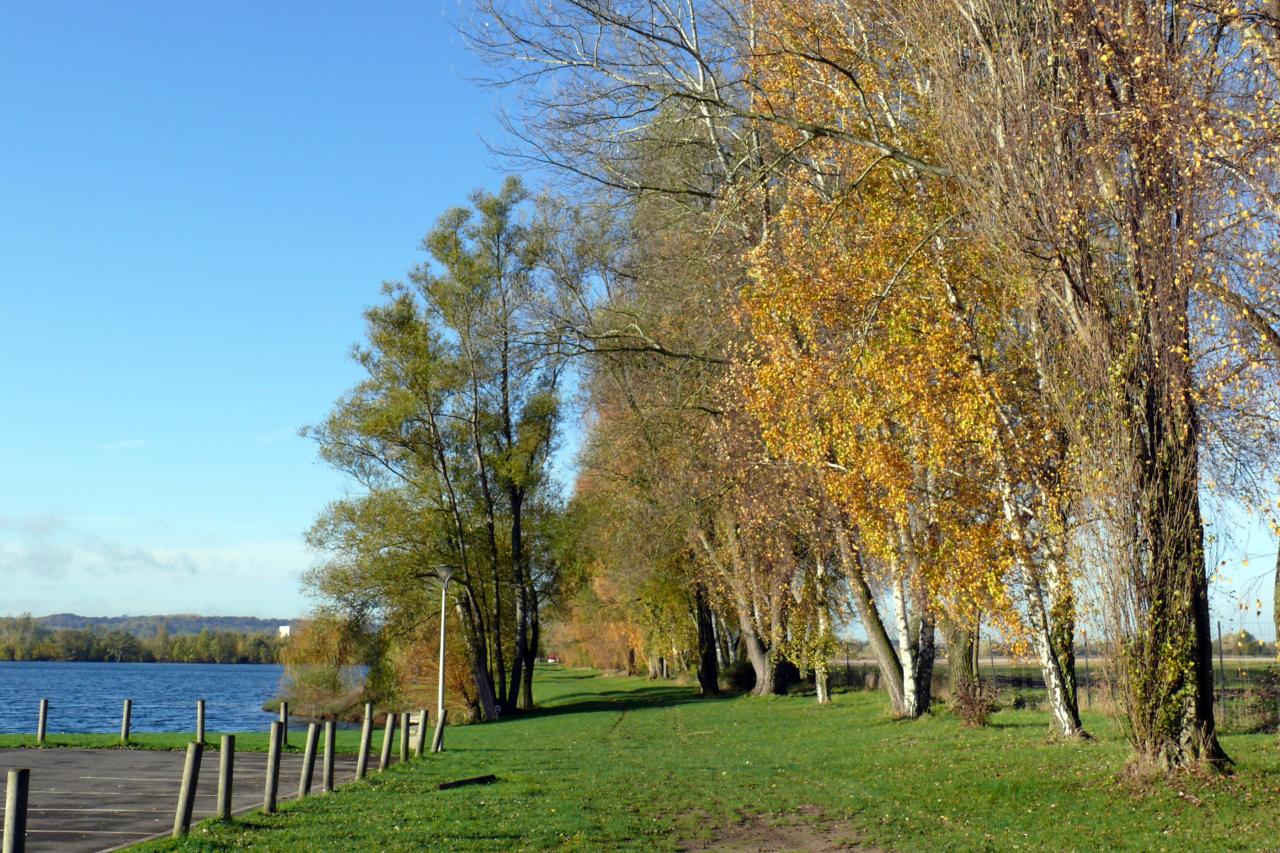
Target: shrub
972	701
740	676
1257	710
785	676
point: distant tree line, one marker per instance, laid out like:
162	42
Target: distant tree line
22	638
174	623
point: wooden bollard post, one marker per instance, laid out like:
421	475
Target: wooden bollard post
43	722
187	793
125	714
366	735
226	775
200	720
284	722
404	737
273	769
388	732
326	779
15	810
437	742
420	742
308	760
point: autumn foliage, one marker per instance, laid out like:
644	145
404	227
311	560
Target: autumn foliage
948	319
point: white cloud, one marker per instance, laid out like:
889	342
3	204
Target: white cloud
51	563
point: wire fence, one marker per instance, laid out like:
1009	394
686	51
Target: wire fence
1246	680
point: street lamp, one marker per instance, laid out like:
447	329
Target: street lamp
445	573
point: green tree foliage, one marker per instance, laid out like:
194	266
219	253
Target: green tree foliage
23	638
448	439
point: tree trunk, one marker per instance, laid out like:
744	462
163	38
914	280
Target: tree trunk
722	646
926	651
821	678
757	652
518	696
1062	632
906	651
1066	715
512	688
491	533
1061	696
962	641
485	694
1169	652
1170	656
916	651
484	690
531	654
864	602
761	662
708	665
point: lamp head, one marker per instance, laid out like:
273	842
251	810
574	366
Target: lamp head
445	572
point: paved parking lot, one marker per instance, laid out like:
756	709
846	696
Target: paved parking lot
101	799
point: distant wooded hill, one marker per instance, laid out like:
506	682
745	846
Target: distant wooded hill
150	626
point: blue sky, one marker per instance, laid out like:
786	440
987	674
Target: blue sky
195	206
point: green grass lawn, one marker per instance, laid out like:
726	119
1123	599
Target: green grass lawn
628	764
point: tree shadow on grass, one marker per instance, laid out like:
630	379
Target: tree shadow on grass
657	696
567	674
1007	723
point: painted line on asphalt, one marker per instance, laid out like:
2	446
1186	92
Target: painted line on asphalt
101	811
90	793
169	779
77	832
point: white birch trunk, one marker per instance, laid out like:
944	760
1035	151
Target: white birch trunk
906	651
916	676
820	680
1060	705
1064	715
820	666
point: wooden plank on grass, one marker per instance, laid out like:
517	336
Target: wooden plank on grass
474	780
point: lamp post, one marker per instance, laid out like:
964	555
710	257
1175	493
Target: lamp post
445	573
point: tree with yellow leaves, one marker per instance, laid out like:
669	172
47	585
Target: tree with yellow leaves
1124	154
890	362
1015	290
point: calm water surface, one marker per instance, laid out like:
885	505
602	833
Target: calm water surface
86	697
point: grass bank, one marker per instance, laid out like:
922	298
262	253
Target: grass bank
627	764
345	740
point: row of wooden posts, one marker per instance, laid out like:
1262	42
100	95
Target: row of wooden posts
15	815
126	719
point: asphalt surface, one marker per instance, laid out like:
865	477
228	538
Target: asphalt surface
102	799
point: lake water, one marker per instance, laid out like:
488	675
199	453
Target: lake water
87	697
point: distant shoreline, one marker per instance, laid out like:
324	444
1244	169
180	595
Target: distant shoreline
152	662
